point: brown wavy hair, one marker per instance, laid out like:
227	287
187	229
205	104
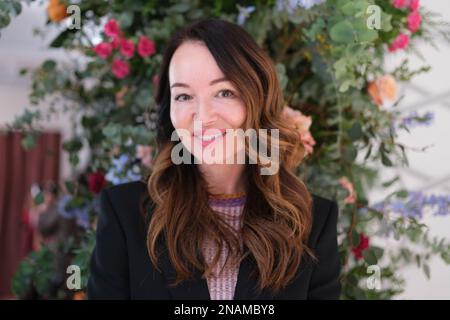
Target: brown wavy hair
277	215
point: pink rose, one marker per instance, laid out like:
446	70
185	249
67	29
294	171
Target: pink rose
399	4
112	28
363	245
120	68
401	42
414	20
155	80
347	185
103	50
144	153
414	5
127	48
96	182
115	42
302	124
308	142
146	47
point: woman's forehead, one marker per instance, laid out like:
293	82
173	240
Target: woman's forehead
192	62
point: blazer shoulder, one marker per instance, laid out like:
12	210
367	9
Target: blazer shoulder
126	197
124	190
324	212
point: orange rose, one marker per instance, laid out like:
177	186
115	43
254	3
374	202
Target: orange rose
383	89
120	96
56	11
79	295
301	124
347	185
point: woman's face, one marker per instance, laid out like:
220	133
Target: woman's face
204	103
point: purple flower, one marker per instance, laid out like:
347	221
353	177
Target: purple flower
62	204
119	173
414	120
83	218
286	5
291	5
244	13
81	214
415	204
308	4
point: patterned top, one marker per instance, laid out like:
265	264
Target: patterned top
221	284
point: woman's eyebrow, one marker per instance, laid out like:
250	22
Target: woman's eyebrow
218	80
179	84
184	85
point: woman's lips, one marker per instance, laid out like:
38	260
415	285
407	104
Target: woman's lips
208	139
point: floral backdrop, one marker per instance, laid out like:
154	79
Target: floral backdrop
340	97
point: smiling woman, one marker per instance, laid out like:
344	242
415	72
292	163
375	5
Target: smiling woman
216	231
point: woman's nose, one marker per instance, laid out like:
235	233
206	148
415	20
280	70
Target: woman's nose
205	113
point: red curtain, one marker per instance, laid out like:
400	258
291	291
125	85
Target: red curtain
19	170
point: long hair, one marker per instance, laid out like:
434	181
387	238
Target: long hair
277	215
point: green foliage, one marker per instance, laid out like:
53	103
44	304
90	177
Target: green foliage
34	272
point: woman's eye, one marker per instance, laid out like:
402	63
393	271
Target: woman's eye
182	97
226	93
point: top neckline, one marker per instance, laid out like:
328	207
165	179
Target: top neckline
228	196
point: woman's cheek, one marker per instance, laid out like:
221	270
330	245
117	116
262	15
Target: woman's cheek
179	116
236	114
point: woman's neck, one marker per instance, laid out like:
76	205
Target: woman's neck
224	178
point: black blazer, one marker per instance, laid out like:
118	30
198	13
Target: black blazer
120	266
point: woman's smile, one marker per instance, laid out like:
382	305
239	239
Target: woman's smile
206	139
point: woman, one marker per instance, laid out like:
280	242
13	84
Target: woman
214	228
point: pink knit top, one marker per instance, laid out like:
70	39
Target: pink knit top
221	284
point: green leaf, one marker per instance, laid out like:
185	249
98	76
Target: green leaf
355	132
402	194
23	71
4	19
281	71
70	186
363	33
418	260
29	141
370	256
386	25
74	159
48	65
426	270
350	153
355	238
385	160
351	8
315	28
345	85
342	31
39	198
377	251
126	19
73	145
59	41
179	8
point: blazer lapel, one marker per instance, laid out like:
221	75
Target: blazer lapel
196	289
247	286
